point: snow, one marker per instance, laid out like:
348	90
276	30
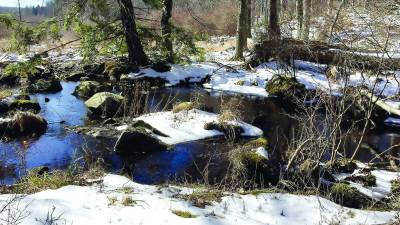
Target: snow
261	151
188	126
383	183
392	120
94	205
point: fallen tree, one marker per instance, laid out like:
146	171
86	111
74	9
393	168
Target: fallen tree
288	49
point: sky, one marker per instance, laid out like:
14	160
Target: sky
24	3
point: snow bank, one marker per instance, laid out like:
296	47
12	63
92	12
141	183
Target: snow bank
383	183
189	126
150	205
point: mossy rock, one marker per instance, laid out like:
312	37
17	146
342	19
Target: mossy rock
104	104
75	76
87	89
308	167
114	69
23	124
369	180
25	105
349	196
285	87
51	85
240	83
9	79
183	106
343	165
229	130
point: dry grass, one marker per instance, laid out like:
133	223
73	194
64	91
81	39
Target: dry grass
4	93
184	214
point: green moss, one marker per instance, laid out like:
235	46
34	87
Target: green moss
202	198
369	180
240	83
25	105
307	167
348	196
283	86
21	69
184	214
184	106
260	142
395	189
250	157
35	182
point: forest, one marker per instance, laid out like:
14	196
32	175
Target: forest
211	112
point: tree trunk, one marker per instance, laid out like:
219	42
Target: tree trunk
241	36
306	20
274	30
166	29
249	18
299	14
266	14
136	54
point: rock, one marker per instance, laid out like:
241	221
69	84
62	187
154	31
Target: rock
23	124
285	87
104	104
95	68
9	79
51	85
349	196
25	105
23	97
46	100
115	68
161	67
4	107
87	89
39	171
75	76
230	131
136	143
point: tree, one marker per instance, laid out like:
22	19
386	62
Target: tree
274	30
306	20
299	14
249	18
241	32
136	54
166	29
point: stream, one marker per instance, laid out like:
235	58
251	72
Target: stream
58	148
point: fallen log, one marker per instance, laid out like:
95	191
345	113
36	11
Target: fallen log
288	50
380	103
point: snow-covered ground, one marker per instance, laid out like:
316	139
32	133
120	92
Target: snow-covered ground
189	126
150	205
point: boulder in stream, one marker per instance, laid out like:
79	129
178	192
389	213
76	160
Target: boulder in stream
136	142
23	124
87	89
285	87
104	104
48	85
25	105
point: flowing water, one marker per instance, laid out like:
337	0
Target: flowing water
58	148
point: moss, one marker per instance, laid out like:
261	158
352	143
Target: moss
240	83
184	106
184	214
348	196
5	93
343	165
35	182
307	167
25	105
395	186
21	69
260	142
202	198
230	130
284	86
369	180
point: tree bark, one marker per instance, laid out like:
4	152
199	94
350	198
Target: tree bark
299	14
249	18
305	34
274	30
166	29
136	54
241	35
